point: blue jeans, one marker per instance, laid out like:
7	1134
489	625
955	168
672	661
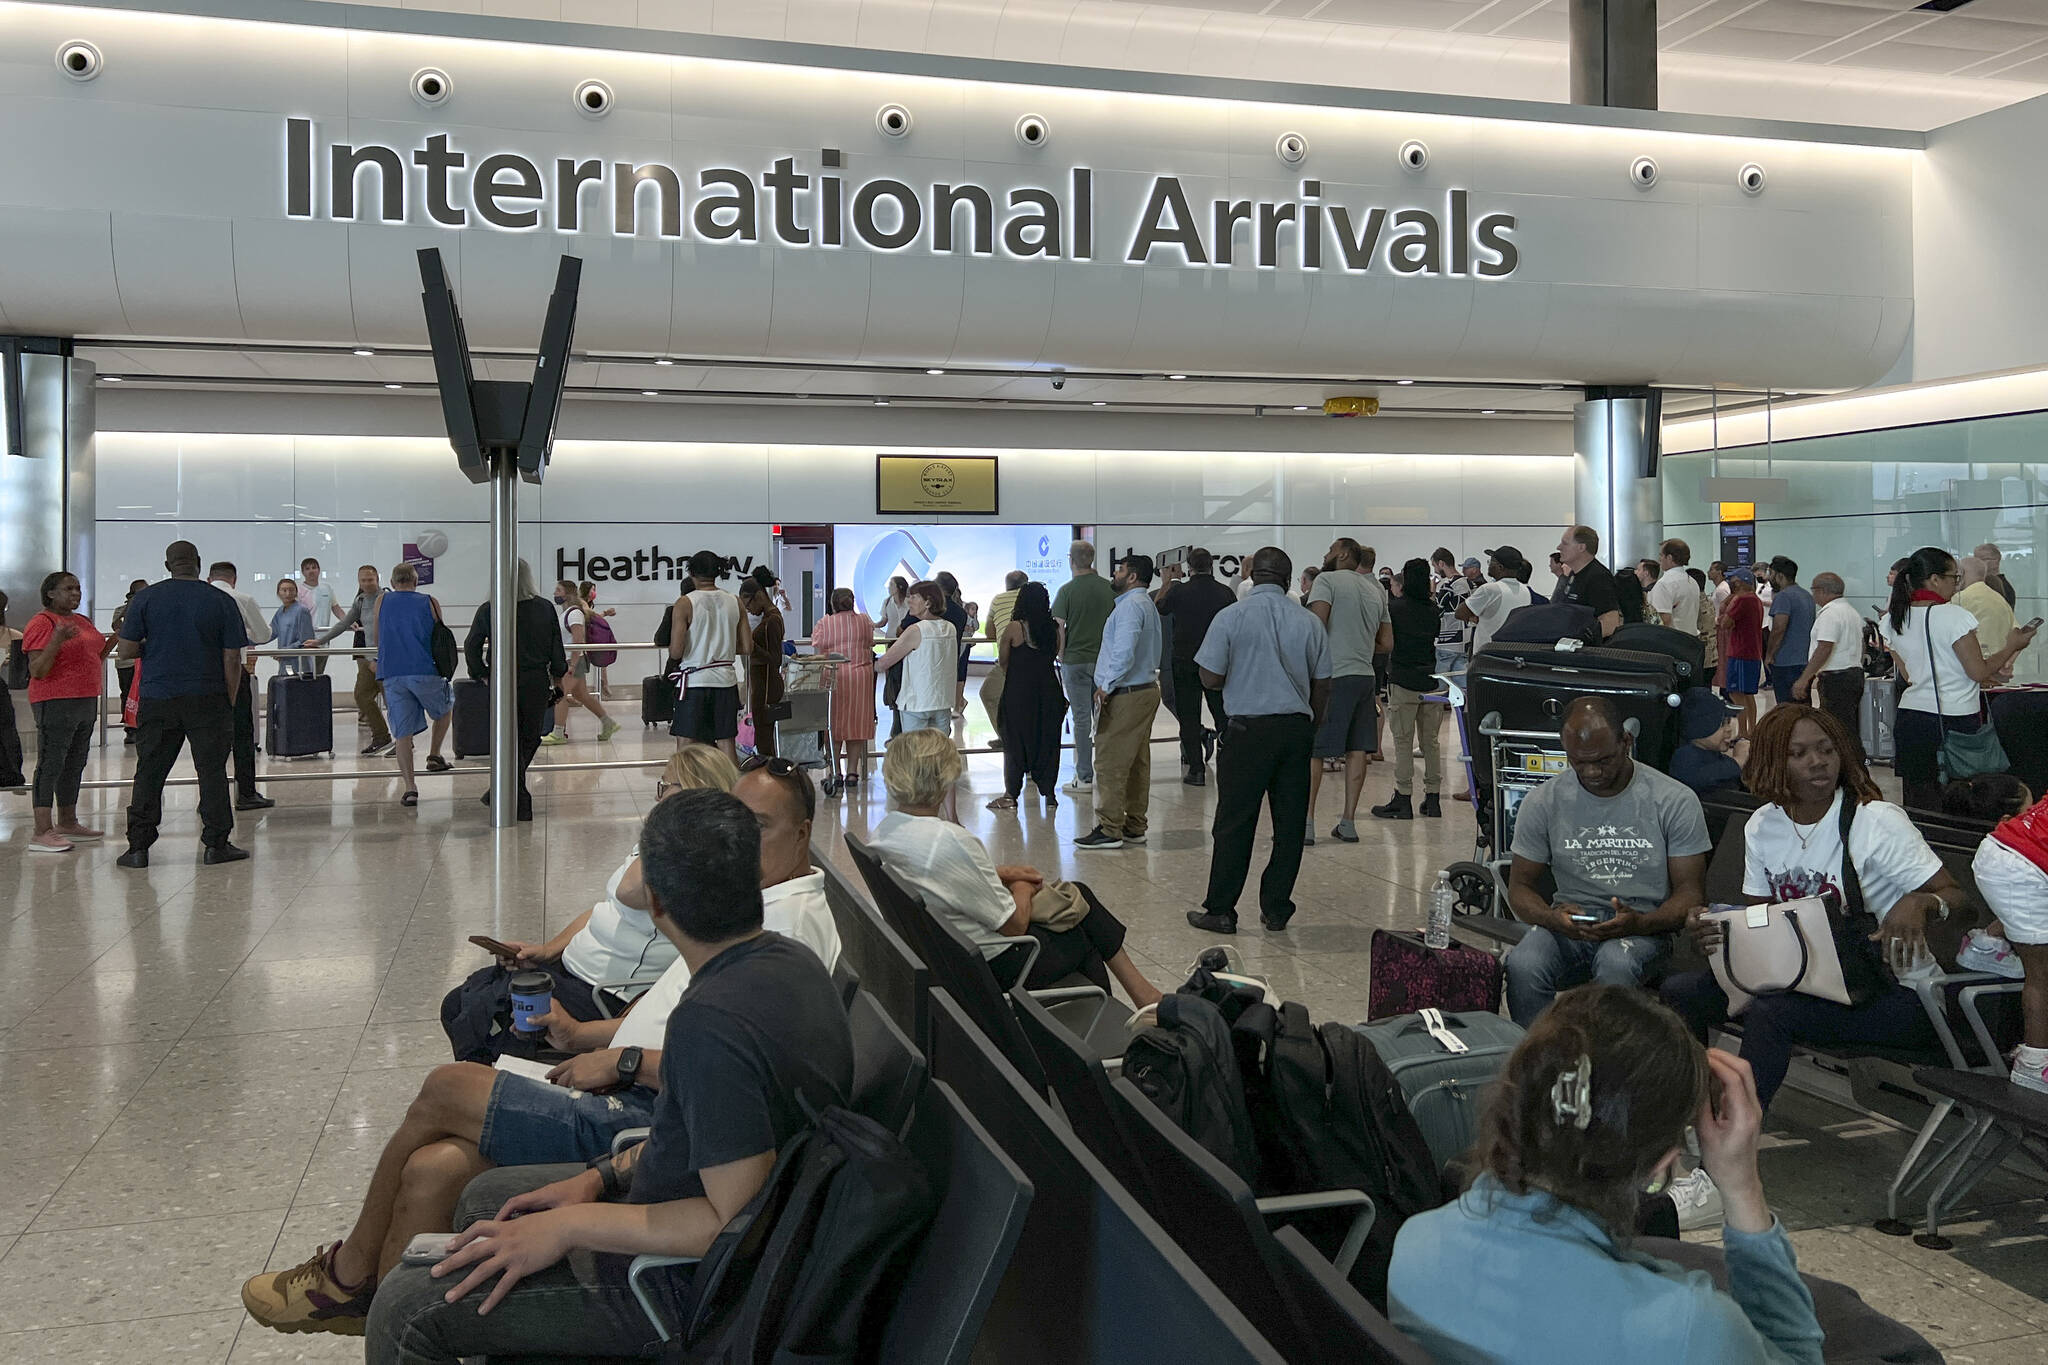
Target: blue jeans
942	721
529	1122
1775	1024
1078	681
1545	962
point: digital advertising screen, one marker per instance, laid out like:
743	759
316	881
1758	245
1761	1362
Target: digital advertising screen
865	557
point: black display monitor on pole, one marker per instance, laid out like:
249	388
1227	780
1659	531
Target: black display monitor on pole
502	431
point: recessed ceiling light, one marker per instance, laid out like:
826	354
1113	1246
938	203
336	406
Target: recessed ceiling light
110	378
663	360
1301	407
394	386
1553	386
881	402
1176	376
934	371
1404	382
1486	412
362	350
1101	403
650	393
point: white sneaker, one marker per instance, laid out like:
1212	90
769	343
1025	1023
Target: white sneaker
1077	787
1699	1202
2034	1079
1984	952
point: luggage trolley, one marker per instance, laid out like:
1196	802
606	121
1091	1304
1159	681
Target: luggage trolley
804	736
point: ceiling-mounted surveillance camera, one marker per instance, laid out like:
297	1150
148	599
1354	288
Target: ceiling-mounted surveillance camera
79	60
593	99
1059	380
1751	178
1292	148
431	86
1643	171
1033	130
1414	154
893	120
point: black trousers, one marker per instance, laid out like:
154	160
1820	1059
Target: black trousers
1916	746
1188	696
245	738
163	725
1081	950
11	774
1261	760
1839	692
531	703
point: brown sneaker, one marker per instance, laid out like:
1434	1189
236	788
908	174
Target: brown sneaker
308	1298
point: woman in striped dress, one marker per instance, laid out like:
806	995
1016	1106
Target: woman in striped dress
850	633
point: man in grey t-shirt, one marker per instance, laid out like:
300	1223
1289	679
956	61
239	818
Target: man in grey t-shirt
1627	847
1353	608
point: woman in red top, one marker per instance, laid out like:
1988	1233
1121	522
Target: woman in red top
1745	623
66	675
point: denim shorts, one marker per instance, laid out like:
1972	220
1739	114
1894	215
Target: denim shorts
412	699
942	721
529	1122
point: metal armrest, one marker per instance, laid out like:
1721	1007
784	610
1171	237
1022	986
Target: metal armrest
629	1137
636	1277
1278	1205
599	989
1032	948
1933	1000
1968	998
1056	995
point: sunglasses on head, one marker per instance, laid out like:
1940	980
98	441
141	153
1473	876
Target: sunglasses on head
775	767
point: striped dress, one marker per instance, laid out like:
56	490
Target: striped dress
852	634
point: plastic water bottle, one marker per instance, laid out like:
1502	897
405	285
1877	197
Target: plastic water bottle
1441	899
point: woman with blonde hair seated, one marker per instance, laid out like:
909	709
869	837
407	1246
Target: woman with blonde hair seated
1533	1263
991	905
612	942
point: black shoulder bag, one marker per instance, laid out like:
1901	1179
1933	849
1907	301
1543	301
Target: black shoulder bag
1864	973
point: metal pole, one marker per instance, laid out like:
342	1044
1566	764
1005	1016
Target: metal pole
504	640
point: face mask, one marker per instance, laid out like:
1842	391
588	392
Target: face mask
754	618
560	600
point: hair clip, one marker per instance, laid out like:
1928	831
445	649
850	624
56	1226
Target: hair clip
1571	1095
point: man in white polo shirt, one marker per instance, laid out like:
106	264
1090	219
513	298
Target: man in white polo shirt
1675	597
1833	677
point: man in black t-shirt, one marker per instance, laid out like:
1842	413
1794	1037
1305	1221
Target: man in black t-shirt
1590	583
540	1265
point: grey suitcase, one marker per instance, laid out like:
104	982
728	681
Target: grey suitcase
1880	711
1445	1090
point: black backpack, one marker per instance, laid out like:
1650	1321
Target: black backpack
1689	652
808	1270
665	626
1185	1065
1549	623
1328	1115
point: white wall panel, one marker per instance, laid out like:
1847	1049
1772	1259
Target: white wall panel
187	124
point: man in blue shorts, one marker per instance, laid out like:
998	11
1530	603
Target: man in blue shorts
414	689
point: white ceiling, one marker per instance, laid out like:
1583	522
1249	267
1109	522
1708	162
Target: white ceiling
1879	63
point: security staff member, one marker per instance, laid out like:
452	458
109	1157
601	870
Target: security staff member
1271	660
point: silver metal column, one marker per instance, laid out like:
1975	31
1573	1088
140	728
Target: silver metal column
1614	53
504	640
1610	445
46	495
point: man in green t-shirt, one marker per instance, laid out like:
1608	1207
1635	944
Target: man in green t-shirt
1082	605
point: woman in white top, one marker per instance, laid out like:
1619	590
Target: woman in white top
613	941
1807	766
938	860
1935	643
575	691
928	649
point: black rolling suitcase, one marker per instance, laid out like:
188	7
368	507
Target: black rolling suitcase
299	715
1688	651
657	699
1529	687
471	727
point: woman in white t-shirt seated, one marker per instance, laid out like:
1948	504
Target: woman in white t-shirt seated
938	860
613	941
1935	643
1806	766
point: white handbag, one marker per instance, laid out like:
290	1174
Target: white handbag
1772	949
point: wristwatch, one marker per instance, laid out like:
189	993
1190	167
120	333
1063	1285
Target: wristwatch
1940	904
629	1066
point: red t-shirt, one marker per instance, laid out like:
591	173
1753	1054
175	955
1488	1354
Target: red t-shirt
1746	627
78	671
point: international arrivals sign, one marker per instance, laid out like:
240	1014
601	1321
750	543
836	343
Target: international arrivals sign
803	204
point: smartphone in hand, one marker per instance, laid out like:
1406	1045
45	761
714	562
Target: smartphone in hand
491	945
426	1248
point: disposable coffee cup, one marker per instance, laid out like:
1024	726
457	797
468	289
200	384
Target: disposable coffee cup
533	995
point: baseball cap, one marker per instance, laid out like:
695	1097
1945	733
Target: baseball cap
1508	557
1702	713
1743	574
1473	564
